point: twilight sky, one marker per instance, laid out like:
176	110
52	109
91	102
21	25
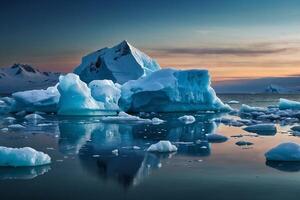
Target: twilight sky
234	39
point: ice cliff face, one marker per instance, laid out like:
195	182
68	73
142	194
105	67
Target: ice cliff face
170	90
120	64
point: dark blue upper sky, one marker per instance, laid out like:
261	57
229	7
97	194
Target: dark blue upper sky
55	34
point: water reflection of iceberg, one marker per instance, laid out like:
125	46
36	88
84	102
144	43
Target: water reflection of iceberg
23	172
94	143
284	166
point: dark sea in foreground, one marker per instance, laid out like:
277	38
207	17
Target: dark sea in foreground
83	166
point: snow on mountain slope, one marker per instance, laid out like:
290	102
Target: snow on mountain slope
120	64
20	77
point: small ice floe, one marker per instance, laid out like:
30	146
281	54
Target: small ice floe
16	126
22	157
115	152
136	147
21	113
33	117
187	119
9	119
288	151
288	104
243	143
262	129
233	102
157	121
216	138
296	128
270	117
163	146
4	129
125	118
249	109
44	124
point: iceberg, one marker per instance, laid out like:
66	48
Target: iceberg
107	92
216	138
262	129
248	109
288	151
22	157
163	146
171	90
187	119
120	64
33	117
76	98
288	104
16	126
36	100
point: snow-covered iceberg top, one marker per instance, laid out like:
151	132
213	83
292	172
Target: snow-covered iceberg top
22	157
288	151
171	90
163	146
120	64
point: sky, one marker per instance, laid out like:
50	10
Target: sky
233	39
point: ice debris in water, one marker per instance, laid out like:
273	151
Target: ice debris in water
216	138
288	104
171	90
22	157
163	146
4	129
33	117
243	143
288	151
16	126
233	102
263	129
248	109
124	117
115	152
187	119
157	121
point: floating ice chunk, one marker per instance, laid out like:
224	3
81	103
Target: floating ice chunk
295	128
16	126
115	152
163	146
248	109
170	90
268	117
233	102
157	121
44	124
243	143
284	152
9	119
187	119
36	100
76	98
4	129
107	92
288	104
22	157
136	147
33	117
216	138
125	118
262	129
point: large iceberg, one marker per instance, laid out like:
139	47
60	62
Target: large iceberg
171	90
36	100
76	98
22	157
120	64
288	151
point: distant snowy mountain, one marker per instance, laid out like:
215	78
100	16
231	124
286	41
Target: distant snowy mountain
279	85
120	64
21	77
276	89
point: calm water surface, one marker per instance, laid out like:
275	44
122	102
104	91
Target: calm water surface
83	166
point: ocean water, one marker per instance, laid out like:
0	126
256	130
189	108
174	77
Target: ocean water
83	166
